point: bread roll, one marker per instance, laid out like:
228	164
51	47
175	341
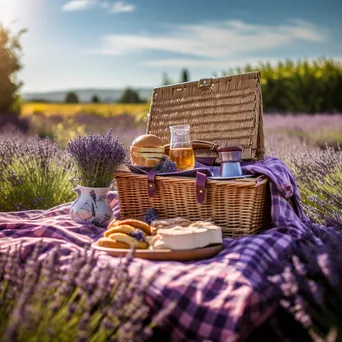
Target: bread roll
125	228
147	151
136	224
109	243
130	240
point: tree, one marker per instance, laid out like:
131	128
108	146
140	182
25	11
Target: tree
166	79
129	95
10	53
185	75
71	97
95	99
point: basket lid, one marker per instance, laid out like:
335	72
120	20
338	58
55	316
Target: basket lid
224	110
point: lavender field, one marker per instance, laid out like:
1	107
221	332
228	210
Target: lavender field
315	130
308	144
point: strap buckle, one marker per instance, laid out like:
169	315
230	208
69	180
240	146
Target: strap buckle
204	82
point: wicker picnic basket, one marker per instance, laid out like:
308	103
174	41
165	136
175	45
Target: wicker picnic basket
226	111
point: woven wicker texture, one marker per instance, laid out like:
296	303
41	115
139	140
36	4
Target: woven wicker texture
240	207
225	110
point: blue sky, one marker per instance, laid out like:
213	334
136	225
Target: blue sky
111	44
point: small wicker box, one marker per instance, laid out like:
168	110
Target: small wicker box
226	111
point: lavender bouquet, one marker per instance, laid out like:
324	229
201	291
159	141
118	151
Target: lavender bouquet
96	158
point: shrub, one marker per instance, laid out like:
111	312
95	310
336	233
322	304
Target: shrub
95	99
34	174
185	76
71	97
130	96
302	87
166	80
10	50
45	300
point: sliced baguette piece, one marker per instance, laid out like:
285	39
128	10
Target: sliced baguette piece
130	240
136	224
109	243
151	155
125	228
148	149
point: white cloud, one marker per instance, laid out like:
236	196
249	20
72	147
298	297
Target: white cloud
111	7
122	6
79	5
207	44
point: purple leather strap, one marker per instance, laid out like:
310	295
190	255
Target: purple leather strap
151	185
201	191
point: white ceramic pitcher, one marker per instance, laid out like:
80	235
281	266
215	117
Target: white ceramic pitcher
91	206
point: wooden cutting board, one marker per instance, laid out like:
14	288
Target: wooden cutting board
165	254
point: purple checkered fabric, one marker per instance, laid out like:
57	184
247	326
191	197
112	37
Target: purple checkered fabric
221	299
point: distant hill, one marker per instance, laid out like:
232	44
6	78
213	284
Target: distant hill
85	95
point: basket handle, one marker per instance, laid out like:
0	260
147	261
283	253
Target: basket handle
201	191
151	185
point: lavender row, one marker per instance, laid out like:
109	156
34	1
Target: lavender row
310	292
34	173
85	300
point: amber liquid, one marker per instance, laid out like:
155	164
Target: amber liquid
183	157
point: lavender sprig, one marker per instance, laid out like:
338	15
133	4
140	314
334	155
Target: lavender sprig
166	165
150	215
96	158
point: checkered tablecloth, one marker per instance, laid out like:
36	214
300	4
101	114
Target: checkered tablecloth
220	299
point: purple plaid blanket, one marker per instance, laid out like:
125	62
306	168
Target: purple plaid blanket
221	299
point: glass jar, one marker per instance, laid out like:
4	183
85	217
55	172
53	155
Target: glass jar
181	151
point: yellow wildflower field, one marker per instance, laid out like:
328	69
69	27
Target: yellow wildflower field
101	109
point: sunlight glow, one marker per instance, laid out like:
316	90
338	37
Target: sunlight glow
9	11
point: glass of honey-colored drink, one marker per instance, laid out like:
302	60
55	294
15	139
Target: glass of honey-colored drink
181	151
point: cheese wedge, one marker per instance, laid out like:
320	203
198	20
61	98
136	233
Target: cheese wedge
182	238
215	232
197	235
